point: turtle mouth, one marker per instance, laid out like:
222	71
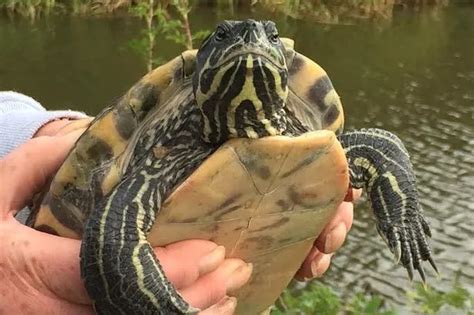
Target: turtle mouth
258	56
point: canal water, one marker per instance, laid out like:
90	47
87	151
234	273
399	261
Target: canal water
413	75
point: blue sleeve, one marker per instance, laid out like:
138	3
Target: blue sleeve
21	117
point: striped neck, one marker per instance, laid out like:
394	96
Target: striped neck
245	98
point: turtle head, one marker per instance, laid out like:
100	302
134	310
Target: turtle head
240	83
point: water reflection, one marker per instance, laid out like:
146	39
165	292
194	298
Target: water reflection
413	76
416	80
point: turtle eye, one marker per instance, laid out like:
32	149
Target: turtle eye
273	38
220	34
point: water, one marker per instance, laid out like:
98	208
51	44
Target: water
413	75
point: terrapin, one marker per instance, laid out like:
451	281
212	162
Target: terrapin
235	143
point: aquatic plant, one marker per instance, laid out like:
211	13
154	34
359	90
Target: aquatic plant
159	20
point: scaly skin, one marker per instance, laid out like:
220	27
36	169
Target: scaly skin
379	163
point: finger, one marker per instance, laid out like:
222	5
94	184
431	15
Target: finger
212	287
62	127
51	128
28	168
74	125
334	233
226	306
50	262
315	265
184	262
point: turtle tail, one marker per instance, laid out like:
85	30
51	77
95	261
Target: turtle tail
379	162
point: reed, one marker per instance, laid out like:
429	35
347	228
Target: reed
99	6
328	11
341	11
29	8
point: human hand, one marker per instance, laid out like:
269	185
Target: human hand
40	273
330	240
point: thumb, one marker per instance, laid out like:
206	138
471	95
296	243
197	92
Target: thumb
27	169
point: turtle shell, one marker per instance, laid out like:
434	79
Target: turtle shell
281	194
102	154
255	197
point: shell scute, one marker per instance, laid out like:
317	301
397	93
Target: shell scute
96	163
312	96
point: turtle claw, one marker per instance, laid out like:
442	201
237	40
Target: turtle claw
409	245
422	273
432	263
397	254
409	269
415	248
392	239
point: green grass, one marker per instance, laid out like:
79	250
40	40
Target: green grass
322	300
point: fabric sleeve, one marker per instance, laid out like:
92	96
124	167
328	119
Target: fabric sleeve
20	118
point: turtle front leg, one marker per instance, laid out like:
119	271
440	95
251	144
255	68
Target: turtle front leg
121	272
379	162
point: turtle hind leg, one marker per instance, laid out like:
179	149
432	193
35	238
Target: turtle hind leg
120	270
379	162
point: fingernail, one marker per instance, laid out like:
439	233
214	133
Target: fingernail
229	301
211	260
239	277
333	238
357	193
227	305
318	265
315	265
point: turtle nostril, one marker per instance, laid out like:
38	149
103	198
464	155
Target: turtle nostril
252	24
